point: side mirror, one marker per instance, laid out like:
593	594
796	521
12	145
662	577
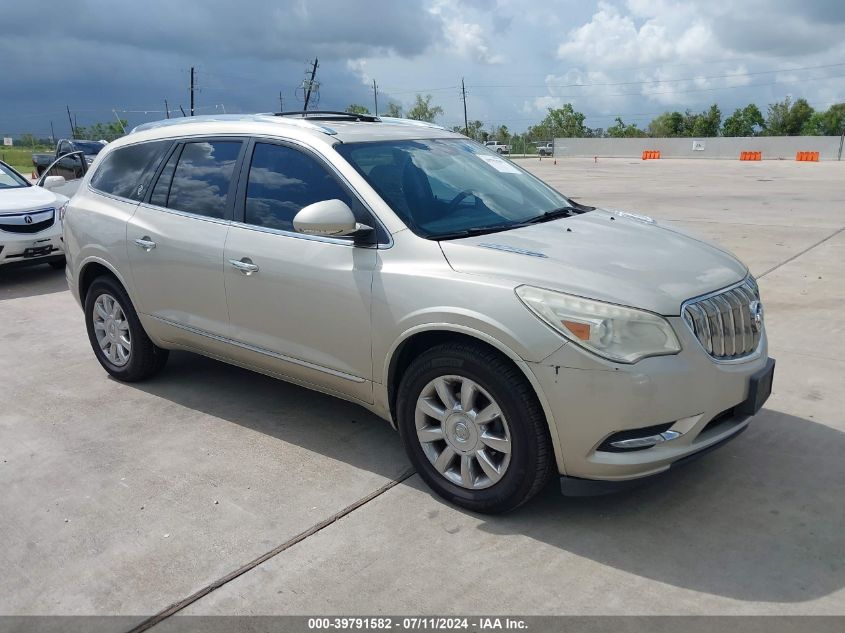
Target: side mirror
52	182
329	218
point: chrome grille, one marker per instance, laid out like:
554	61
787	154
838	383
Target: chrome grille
728	324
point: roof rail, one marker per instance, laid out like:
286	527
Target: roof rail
414	122
262	117
330	115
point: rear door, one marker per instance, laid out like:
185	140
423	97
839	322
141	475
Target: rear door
301	303
176	239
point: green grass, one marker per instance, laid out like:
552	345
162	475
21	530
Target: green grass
21	157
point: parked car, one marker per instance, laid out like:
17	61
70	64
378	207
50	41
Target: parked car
65	146
546	149
507	331
30	221
498	147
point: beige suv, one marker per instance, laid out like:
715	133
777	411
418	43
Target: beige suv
506	331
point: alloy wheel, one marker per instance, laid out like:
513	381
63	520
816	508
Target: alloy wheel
463	432
112	330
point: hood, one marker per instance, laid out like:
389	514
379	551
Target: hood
602	255
28	199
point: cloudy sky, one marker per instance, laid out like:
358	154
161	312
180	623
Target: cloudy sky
629	58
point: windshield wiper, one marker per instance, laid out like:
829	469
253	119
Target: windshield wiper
554	214
482	230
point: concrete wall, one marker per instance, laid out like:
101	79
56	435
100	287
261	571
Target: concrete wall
773	147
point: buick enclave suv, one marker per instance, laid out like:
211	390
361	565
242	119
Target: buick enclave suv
506	331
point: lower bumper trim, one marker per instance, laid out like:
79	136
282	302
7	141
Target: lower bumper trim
578	487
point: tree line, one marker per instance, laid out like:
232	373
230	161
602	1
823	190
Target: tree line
783	118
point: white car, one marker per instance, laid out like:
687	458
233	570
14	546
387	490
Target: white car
498	147
30	221
507	332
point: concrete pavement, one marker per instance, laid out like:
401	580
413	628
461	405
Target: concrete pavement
125	499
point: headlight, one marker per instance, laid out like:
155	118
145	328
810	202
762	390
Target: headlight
620	334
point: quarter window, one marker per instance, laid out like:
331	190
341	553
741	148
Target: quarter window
126	171
281	181
202	178
162	188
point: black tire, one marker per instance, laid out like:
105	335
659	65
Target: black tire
532	458
146	358
499	150
57	264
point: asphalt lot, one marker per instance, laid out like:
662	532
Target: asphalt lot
125	499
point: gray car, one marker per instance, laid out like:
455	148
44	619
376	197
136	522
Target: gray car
507	332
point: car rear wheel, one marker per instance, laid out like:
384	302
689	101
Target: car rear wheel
116	335
473	428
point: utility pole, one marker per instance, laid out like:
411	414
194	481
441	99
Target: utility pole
183	111
375	96
119	122
52	134
464	99
192	91
310	83
281	102
841	141
167	108
70	120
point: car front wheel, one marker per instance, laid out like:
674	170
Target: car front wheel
473	428
116	335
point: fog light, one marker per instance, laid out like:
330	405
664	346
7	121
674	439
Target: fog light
645	442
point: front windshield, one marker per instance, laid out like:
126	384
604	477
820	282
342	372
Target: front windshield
10	179
89	147
444	188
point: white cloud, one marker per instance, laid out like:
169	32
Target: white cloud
468	39
614	39
463	35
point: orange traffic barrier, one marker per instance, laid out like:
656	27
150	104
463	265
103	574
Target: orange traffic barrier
651	154
751	156
807	156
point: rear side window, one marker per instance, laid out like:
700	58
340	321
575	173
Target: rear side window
281	181
201	180
126	171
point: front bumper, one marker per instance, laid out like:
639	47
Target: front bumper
14	246
577	487
591	401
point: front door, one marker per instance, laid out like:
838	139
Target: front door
300	303
72	167
176	241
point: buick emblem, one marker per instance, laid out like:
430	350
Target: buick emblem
27	219
756	310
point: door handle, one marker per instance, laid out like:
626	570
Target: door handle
146	243
244	265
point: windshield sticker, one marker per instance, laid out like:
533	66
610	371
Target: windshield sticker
499	164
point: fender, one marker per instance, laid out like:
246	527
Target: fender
383	393
97	259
